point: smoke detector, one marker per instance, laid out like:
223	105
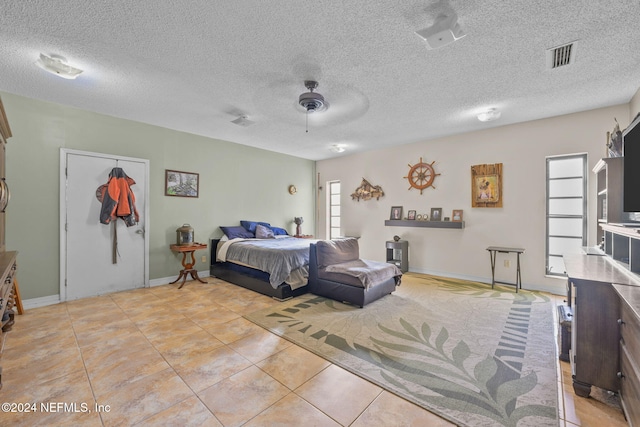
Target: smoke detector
56	64
444	31
312	101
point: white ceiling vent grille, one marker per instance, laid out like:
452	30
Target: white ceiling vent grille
561	56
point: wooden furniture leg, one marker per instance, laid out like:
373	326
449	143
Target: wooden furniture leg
16	296
188	269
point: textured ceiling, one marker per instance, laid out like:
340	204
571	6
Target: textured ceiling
195	65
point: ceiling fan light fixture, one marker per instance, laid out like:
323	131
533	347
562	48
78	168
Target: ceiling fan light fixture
57	65
312	101
490	115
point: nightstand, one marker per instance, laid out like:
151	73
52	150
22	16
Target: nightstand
186	250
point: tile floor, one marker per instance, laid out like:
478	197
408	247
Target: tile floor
163	356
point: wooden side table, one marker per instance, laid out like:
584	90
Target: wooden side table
188	266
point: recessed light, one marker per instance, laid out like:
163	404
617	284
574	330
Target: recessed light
56	64
489	115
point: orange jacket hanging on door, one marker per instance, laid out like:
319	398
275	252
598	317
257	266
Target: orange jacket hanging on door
118	200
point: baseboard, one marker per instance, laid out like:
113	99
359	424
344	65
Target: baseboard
55	299
40	302
556	290
166	280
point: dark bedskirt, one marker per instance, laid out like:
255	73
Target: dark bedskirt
253	279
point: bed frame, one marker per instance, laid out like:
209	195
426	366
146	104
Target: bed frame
250	278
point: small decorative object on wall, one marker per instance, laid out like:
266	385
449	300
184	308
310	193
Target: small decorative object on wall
396	212
614	141
457	215
182	184
421	175
411	215
366	191
292	189
436	214
486	186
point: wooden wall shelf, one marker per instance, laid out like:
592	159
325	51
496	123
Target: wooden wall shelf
428	224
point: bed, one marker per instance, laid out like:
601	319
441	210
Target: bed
277	266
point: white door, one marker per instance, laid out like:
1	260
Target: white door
88	267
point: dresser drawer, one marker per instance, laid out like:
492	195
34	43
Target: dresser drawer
630	331
630	387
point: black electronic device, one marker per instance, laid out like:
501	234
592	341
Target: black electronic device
631	175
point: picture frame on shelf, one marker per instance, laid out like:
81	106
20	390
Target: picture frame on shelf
436	214
181	184
411	215
456	216
396	213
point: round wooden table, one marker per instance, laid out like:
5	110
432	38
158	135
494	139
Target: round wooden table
187	250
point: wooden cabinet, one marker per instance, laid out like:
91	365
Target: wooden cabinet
629	351
609	173
595	337
8	266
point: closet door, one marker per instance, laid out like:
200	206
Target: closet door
90	266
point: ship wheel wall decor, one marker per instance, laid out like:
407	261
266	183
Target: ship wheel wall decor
421	175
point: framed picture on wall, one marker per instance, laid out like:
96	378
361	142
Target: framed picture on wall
396	212
181	184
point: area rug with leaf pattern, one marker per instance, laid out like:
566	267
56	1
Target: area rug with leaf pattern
474	355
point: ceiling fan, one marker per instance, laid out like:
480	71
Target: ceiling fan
312	101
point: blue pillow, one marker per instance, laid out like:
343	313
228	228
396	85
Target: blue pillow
237	231
263	232
251	225
279	231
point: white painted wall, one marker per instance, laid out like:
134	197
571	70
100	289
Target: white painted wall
521	148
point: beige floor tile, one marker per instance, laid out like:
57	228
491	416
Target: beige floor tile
95	334
188	413
339	394
163	331
242	396
210	368
144	398
129	369
183	347
260	345
391	410
37	367
113	350
213	316
293	411
233	330
72	390
293	366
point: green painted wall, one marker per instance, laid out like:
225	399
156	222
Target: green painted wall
236	182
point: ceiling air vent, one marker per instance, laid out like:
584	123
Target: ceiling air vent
561	55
